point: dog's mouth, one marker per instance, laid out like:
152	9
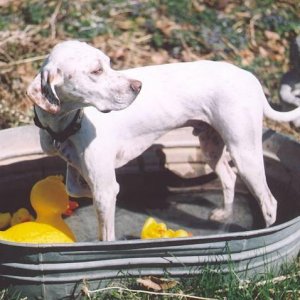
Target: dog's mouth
106	111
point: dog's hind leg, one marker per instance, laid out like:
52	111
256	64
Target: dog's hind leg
213	149
247	154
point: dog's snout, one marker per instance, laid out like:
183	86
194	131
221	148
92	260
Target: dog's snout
135	85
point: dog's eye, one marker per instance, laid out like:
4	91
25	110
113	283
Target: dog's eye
97	71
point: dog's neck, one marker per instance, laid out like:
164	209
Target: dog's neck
61	125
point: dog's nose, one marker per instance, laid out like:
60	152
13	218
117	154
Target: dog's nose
135	85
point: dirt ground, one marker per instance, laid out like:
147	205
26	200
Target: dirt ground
252	34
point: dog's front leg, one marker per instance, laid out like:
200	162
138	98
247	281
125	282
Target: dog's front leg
104	191
105	197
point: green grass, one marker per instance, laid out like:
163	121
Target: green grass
211	284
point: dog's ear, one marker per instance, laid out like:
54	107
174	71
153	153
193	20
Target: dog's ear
42	89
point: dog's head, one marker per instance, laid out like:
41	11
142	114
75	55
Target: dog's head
78	75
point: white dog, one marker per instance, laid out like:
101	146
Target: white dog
224	104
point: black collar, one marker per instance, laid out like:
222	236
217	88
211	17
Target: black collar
63	135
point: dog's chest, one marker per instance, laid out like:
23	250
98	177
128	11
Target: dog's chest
132	148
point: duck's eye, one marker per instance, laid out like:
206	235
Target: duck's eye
97	71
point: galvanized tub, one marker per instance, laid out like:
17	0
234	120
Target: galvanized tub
175	168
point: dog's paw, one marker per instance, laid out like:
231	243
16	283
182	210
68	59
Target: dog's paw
220	214
270	213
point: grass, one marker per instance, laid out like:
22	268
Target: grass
210	284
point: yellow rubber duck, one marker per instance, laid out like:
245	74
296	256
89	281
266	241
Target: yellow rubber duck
34	233
154	230
5	219
20	216
49	199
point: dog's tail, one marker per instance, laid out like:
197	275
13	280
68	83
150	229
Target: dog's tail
289	116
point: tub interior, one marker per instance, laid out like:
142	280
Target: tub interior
180	202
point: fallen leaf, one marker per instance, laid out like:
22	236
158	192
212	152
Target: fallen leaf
166	26
272	35
125	24
247	57
198	6
149	284
160	57
165	283
157	284
262	52
120	53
